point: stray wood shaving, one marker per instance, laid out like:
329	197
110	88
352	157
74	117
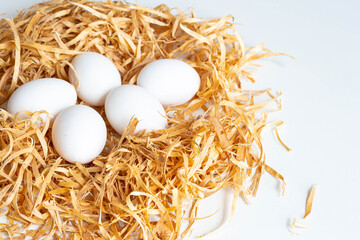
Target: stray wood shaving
296	225
309	202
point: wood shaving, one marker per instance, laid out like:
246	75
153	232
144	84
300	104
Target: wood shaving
295	226
136	177
309	202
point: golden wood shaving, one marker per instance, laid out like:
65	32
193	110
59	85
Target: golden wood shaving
279	139
277	175
309	202
140	186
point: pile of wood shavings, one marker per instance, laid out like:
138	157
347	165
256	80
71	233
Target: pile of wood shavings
140	185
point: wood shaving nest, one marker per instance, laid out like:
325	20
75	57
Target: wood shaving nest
136	179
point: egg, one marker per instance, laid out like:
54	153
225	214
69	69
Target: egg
172	81
49	94
127	101
79	134
94	76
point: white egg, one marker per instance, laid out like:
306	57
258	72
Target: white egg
49	94
95	76
126	101
172	81
79	134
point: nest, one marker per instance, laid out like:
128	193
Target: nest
140	186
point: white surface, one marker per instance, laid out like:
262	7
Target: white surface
321	111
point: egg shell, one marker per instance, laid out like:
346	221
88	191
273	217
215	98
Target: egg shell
79	134
172	81
49	94
126	101
95	76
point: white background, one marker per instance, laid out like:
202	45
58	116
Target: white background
321	112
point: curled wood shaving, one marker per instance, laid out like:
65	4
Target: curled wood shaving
277	175
279	139
139	186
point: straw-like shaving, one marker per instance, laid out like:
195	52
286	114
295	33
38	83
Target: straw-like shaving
309	201
139	177
295	226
